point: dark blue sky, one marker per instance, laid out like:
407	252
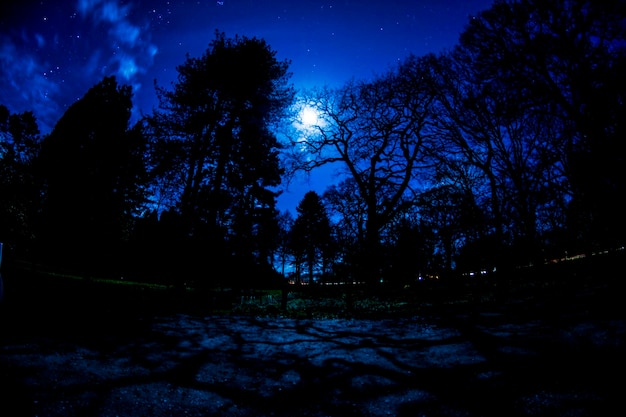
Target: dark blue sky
52	52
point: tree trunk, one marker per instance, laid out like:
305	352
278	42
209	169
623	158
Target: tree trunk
371	252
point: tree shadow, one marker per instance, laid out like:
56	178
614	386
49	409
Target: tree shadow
469	366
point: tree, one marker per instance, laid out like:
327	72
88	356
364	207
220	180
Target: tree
378	131
19	144
410	250
92	171
349	213
567	57
445	210
311	234
500	152
214	148
285	224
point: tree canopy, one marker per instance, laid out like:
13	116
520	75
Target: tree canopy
92	173
311	238
214	152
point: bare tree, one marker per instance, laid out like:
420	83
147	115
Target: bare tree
378	131
567	56
512	143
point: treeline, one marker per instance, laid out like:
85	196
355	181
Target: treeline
506	150
184	196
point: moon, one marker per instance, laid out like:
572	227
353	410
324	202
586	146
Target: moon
309	116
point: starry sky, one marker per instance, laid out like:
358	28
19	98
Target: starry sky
52	52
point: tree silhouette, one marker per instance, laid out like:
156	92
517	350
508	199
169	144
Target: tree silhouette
379	133
213	146
19	143
410	252
567	58
285	224
496	151
349	213
92	172
311	234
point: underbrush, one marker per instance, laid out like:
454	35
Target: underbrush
340	305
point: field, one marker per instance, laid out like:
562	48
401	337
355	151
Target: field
541	342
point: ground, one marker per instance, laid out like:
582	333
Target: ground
553	356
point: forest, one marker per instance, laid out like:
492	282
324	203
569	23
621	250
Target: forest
502	152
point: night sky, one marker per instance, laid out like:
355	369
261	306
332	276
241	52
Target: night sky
52	52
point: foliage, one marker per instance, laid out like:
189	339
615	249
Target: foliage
213	152
19	144
285	224
563	61
310	238
91	168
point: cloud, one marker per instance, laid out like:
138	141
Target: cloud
44	68
129	50
127	66
23	78
106	10
113	11
126	33
41	41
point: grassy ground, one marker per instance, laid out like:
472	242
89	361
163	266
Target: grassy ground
31	289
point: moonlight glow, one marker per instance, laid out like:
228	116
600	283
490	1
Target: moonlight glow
309	117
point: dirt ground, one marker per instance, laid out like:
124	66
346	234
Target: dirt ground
554	357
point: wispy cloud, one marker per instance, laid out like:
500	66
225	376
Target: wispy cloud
130	51
48	64
24	81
